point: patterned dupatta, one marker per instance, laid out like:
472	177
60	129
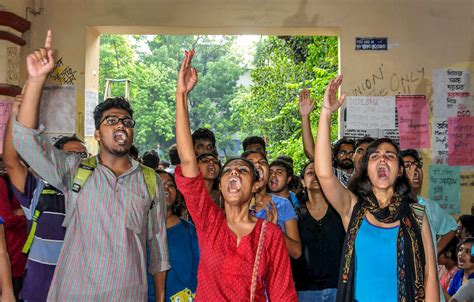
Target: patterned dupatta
410	252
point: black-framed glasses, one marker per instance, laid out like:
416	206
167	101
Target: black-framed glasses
82	154
408	164
114	120
207	160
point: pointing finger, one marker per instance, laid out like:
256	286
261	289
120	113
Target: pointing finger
49	40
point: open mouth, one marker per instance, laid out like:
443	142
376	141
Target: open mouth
260	174
382	172
234	184
120	137
211	169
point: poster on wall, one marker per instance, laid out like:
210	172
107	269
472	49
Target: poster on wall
370	112
451	93
58	109
413	121
439	141
91	101
5	110
445	187
461	141
353	128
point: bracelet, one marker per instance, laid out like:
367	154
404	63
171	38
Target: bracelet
324	106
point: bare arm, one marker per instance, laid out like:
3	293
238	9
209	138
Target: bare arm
444	240
5	271
159	279
292	238
340	198
16	170
187	79
431	274
306	106
39	63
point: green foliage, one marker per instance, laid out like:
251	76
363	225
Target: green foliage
284	66
151	63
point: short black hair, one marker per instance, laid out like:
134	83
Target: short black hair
337	146
62	140
116	102
173	155
467	222
286	158
411	152
253	140
151	159
204	133
364	140
133	152
283	164
247	153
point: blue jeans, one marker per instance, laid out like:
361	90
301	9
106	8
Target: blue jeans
325	295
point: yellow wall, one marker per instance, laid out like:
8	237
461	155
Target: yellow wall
424	35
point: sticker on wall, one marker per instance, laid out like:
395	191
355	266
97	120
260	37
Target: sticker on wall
371	43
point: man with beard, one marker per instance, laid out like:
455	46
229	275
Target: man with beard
111	217
343	151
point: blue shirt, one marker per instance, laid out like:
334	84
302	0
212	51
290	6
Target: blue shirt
376	263
181	279
456	283
440	221
285	211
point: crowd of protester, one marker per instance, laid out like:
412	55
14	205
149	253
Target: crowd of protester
117	226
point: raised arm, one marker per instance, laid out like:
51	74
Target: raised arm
187	79
306	106
16	170
39	63
30	142
339	197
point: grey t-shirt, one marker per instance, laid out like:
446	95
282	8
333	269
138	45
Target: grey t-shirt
465	292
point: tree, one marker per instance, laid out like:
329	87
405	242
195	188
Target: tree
283	66
151	63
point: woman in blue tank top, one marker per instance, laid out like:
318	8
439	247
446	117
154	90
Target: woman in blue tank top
388	253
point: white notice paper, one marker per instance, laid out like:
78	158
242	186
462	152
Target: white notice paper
371	112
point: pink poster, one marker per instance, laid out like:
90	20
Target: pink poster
413	121
461	141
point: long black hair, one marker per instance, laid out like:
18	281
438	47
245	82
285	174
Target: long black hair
361	185
178	205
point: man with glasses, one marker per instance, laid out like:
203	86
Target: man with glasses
443	226
111	217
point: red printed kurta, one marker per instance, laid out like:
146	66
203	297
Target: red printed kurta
225	269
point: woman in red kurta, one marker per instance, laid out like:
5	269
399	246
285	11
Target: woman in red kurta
228	241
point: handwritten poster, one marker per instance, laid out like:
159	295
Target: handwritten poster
5	110
461	141
58	109
413	121
451	93
440	141
370	112
445	187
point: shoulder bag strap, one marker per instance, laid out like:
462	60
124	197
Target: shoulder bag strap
257	260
